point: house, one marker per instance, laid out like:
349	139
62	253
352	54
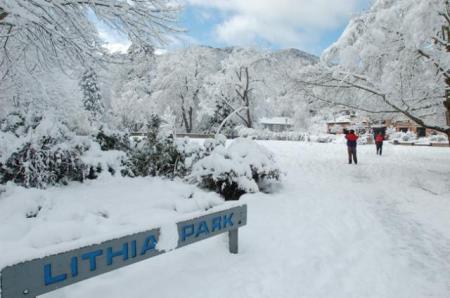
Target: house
337	126
374	125
403	125
277	124
380	125
408	125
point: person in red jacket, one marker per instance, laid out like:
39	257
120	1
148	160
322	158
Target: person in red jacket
351	146
379	142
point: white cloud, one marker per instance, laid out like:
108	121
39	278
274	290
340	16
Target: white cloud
160	52
287	23
116	41
113	47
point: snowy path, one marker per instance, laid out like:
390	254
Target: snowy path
378	229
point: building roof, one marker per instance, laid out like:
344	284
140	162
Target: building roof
340	119
277	120
349	120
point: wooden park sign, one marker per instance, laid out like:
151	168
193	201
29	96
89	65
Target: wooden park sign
40	276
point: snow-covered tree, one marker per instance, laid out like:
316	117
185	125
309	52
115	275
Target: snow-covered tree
92	97
199	83
44	48
388	61
233	85
438	53
46	44
255	83
131	99
63	32
179	82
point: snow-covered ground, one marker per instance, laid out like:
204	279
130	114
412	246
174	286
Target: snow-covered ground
377	229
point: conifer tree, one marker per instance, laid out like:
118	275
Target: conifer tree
92	97
221	112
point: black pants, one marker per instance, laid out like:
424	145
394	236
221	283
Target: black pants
352	154
379	147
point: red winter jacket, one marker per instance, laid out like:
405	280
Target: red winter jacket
351	139
379	139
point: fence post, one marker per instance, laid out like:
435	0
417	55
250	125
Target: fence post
233	241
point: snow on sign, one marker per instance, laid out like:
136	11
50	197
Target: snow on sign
39	276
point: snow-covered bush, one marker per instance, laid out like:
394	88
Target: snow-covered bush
439	138
390	131
323	138
159	154
18	123
45	155
43	151
14	123
400	136
243	167
112	140
409	136
265	134
189	153
211	144
364	139
246	132
45	162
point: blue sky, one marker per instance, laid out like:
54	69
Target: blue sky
308	25
200	30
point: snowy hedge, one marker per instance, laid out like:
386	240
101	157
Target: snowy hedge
411	137
403	136
45	162
264	134
42	151
243	167
159	154
439	138
112	140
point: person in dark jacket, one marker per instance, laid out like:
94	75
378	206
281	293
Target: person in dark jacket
351	146
379	142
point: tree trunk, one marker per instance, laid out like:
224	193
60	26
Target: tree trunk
447	105
243	92
447	80
448	136
187	127
249	118
186	121
190	118
247	99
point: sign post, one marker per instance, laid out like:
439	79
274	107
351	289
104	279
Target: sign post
40	276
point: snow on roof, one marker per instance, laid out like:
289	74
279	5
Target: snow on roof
346	119
277	120
341	119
